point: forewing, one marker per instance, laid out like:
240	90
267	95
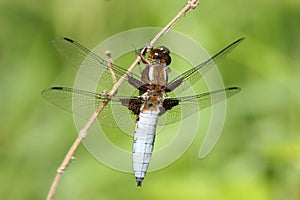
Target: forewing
89	63
190	77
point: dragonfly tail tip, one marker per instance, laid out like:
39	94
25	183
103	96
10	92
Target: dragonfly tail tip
139	182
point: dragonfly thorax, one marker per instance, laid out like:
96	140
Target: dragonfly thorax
156	73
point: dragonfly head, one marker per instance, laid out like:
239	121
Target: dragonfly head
161	53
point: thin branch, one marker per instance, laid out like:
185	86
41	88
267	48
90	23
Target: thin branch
191	4
111	66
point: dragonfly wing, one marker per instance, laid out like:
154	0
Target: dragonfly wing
90	64
84	104
190	77
188	105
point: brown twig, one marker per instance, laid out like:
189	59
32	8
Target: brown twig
111	66
191	4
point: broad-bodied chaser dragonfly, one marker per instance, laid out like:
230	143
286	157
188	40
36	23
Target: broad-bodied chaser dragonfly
153	101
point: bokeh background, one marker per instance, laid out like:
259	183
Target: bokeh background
258	154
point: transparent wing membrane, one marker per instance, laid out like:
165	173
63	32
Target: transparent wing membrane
116	114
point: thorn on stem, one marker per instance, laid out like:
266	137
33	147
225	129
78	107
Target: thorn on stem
82	134
193	3
60	170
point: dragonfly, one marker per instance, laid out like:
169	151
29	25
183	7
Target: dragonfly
155	97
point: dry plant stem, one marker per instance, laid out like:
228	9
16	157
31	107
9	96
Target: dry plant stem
191	4
111	66
62	167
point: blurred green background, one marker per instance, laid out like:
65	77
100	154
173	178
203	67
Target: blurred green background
258	154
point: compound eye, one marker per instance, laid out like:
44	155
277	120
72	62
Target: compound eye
161	53
164	49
